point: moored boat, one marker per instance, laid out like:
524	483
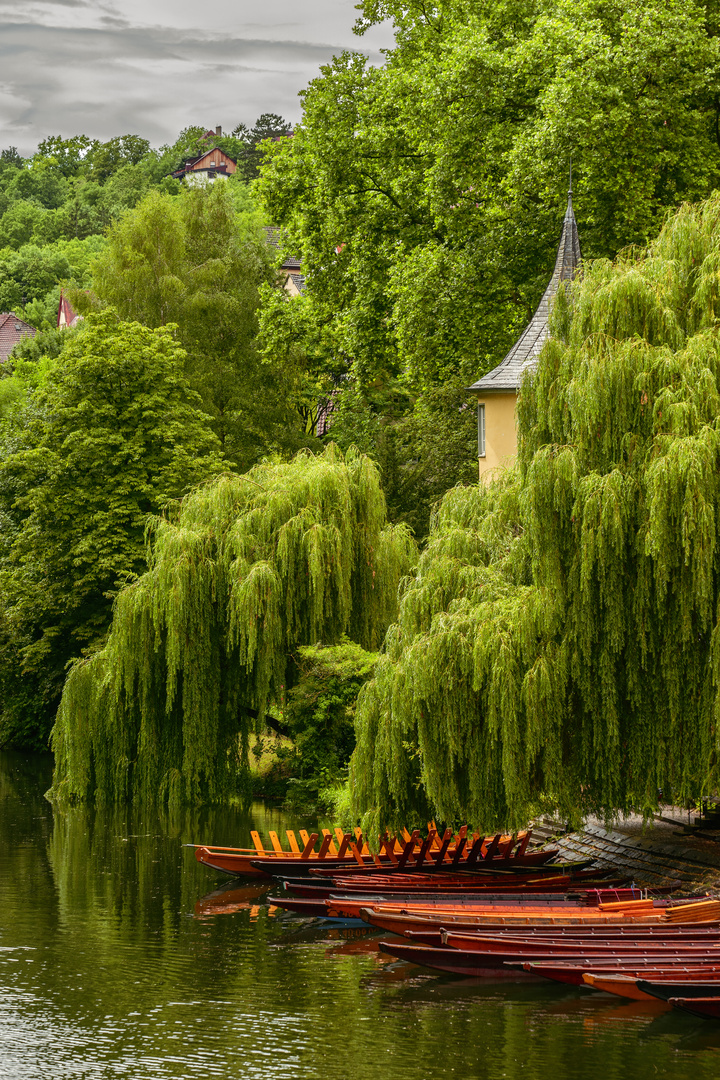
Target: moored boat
707	1007
673	984
625	986
571	972
345	851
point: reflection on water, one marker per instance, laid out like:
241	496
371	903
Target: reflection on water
121	956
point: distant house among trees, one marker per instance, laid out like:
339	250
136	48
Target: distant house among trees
209	166
289	270
12	330
67	316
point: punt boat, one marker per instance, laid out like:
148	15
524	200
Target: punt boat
343	851
707	1007
571	972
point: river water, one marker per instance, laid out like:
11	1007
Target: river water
120	957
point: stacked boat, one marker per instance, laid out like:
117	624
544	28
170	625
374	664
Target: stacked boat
489	907
349	851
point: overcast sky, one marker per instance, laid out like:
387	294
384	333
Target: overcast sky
151	67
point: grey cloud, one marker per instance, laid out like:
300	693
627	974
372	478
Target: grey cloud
151	81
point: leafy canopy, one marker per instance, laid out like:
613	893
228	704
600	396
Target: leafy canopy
252	567
112	434
196	261
425	195
560	641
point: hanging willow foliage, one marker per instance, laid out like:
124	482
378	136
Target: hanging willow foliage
288	554
561	639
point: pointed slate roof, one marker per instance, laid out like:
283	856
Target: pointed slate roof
507	376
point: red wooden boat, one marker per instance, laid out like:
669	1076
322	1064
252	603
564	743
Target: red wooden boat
447	960
441	883
496	888
401	923
440	958
708	1007
583	946
571	973
519	913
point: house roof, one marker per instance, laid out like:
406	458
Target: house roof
66	316
523	356
196	164
273	236
298	281
12	330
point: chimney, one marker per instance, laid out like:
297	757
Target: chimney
218	131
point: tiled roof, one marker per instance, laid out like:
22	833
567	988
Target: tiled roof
298	281
524	353
273	236
12	330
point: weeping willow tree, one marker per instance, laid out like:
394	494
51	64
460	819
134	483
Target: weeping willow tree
561	638
251	567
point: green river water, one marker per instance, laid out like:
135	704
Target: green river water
116	962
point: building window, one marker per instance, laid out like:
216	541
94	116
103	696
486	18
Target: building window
481	430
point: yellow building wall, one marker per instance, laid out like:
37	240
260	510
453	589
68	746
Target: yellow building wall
500	431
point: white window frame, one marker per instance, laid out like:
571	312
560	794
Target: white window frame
481	428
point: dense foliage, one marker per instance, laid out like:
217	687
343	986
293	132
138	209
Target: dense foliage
319	716
251	568
111	434
56	205
562	635
426	195
197	260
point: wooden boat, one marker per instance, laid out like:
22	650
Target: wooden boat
339	906
580	956
343	851
507	912
402	922
583	946
571	973
390	861
449	884
496	887
520	914
674	985
439	959
708	1007
455	962
625	986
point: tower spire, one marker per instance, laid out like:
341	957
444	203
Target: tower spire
508	375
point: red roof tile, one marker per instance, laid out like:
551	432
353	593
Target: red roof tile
12	329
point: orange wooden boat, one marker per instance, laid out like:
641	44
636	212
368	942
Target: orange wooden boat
518	913
343	851
625	986
640	912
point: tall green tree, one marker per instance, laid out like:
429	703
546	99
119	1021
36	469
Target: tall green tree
113	434
194	261
560	640
425	195
254	566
